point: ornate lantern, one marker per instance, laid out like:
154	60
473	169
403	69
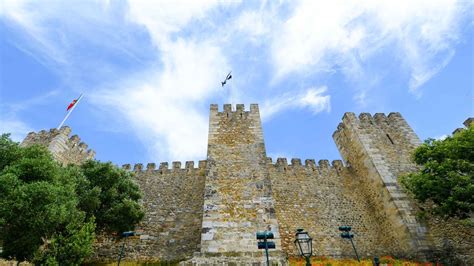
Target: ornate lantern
304	245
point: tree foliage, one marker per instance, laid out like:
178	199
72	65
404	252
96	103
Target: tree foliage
108	194
446	177
49	213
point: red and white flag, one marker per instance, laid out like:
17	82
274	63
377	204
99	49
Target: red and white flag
71	104
69	110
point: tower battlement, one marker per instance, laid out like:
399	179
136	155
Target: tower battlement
229	109
176	166
65	149
309	164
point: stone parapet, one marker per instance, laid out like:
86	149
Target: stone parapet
65	149
171	228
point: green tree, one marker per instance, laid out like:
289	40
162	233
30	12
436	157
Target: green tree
49	213
37	205
68	247
446	177
109	194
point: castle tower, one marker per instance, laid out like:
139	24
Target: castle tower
378	150
65	149
237	198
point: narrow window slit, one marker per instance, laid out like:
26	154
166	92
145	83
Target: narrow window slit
389	138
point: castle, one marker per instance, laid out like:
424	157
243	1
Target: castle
209	213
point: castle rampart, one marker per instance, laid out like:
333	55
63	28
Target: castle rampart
65	149
379	150
173	200
208	213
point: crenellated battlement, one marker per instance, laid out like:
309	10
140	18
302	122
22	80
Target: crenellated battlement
393	120
236	112
467	123
309	164
237	109
164	167
44	137
65	149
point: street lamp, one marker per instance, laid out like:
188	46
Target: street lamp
264	243
304	245
122	253
346	234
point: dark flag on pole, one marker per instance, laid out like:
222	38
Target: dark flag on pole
229	76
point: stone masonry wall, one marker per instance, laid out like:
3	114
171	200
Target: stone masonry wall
171	228
321	197
209	214
65	149
172	198
378	150
237	197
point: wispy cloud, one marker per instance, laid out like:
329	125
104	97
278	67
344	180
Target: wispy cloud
313	99
162	106
167	17
155	64
11	113
29	103
17	128
323	36
73	39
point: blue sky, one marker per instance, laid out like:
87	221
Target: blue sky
150	69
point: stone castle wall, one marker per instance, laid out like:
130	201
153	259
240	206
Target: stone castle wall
65	149
378	149
210	213
171	228
320	198
237	196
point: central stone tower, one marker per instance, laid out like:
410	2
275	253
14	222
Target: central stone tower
237	197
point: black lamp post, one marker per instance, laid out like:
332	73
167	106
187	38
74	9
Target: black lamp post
304	245
264	243
122	253
346	234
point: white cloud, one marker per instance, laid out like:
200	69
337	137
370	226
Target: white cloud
161	103
10	113
166	17
321	36
15	127
161	107
194	45
442	137
312	99
28	17
30	102
253	24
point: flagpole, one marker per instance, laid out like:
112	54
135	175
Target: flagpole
69	113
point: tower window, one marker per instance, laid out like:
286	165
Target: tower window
389	138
